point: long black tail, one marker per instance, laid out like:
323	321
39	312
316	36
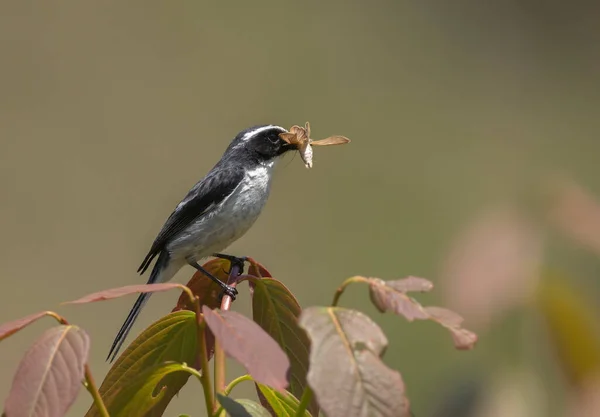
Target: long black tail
161	263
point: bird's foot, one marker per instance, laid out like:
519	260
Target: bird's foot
228	290
240	262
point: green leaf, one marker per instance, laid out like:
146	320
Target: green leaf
144	392
276	310
172	338
282	405
242	408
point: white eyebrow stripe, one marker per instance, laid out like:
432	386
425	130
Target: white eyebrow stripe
256	131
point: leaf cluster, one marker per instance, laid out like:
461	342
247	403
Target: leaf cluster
302	362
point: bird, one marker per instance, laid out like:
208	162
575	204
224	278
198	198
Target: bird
218	210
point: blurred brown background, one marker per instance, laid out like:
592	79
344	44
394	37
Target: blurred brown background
110	111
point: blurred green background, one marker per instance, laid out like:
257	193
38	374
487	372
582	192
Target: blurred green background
110	111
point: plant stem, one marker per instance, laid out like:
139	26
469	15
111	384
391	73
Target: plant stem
193	371
189	293
58	318
236	381
219	368
203	361
219	353
90	385
304	401
342	287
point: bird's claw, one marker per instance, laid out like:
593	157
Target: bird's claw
230	291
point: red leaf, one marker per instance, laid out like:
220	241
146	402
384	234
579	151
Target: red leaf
49	376
12	327
122	291
389	296
246	342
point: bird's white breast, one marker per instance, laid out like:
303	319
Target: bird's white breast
227	222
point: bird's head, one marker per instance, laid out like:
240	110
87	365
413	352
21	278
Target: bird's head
261	142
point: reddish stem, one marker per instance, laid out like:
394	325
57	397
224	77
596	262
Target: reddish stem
219	353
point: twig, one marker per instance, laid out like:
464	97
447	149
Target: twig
342	287
90	385
236	381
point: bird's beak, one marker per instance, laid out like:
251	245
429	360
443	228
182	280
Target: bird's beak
290	146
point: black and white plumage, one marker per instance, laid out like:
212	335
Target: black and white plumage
217	211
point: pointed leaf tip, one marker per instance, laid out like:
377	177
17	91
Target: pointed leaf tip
122	291
10	328
463	339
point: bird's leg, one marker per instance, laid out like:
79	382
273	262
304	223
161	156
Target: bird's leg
235	260
227	289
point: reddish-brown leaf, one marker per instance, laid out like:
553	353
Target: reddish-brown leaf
387	298
391	296
346	373
12	327
49	376
444	316
122	291
410	284
463	338
203	287
246	342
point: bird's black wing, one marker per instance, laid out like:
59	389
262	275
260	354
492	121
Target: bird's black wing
201	199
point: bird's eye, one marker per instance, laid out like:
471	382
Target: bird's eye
273	139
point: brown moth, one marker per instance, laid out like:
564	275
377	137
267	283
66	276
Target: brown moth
300	136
